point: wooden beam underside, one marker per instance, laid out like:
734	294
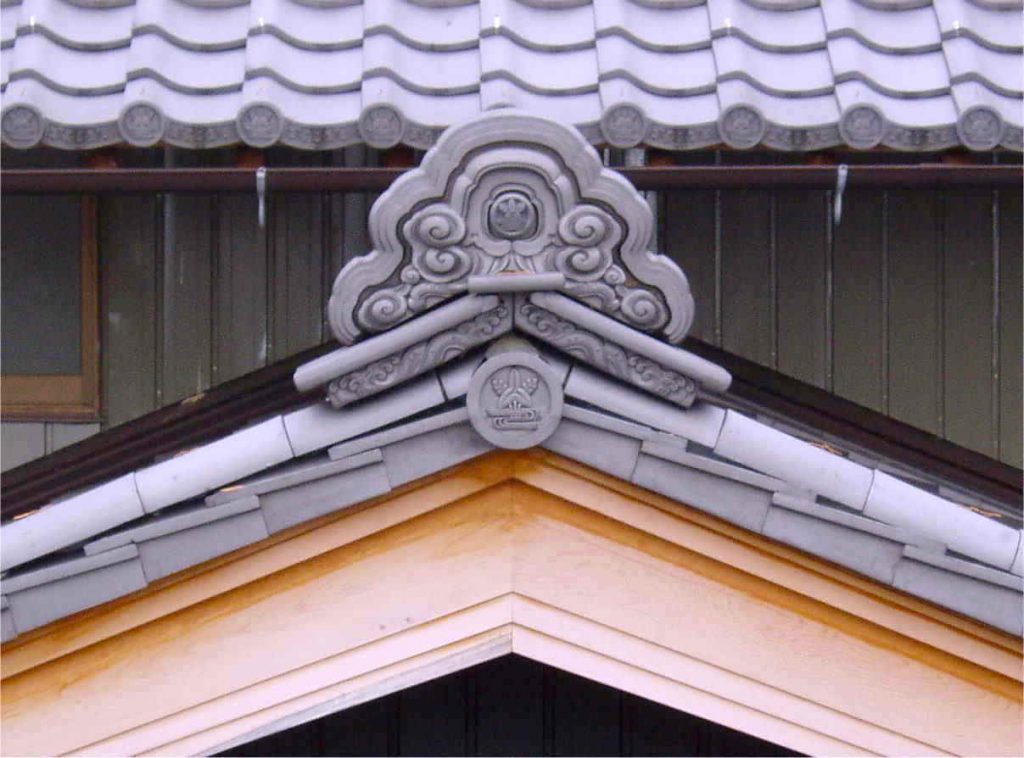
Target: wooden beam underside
524	553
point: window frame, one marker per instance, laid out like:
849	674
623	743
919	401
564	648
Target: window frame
66	397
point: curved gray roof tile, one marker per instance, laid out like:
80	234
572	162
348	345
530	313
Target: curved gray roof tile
801	75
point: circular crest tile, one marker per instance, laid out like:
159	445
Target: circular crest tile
624	125
381	126
515	400
512	216
141	124
862	126
260	124
980	128
22	126
741	127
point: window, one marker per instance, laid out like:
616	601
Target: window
49	332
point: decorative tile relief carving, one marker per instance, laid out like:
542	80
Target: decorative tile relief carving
862	126
260	124
605	355
980	128
515	400
741	126
509	192
22	126
141	124
413	361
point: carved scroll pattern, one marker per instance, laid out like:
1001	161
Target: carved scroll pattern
510	193
580	245
607	356
413	361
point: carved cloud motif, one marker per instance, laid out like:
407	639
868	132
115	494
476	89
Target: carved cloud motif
503	193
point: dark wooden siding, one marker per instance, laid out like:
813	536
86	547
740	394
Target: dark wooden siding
910	307
510	706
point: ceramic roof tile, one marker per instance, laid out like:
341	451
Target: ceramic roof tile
437	73
633	116
184	70
918	75
768	29
73	25
537	27
626	72
67	70
799	74
999	30
569	72
912	30
192	27
312	71
971	62
671	74
652	27
306	25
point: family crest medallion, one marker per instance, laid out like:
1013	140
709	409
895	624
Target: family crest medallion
515	400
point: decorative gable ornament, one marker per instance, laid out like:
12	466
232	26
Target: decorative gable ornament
511	224
510	193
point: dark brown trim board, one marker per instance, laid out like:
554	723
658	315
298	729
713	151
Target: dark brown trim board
344	179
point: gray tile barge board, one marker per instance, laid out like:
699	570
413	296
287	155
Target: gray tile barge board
398	433
7	629
290	475
416	457
194	517
606	450
58	591
166	555
171	544
731	500
860	551
293	505
1000	606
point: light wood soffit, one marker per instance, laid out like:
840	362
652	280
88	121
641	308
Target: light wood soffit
781	565
691	612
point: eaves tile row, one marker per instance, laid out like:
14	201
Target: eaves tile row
673	74
153	547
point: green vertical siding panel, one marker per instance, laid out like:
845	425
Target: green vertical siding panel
187	307
21	442
747	327
241	337
1010	319
915	364
298	273
801	255
59	434
688	238
857	345
967	320
128	243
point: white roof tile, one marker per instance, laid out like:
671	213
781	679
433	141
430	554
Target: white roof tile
678	65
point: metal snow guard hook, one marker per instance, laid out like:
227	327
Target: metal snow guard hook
837	197
261	196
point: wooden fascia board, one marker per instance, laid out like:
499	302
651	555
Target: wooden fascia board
549	472
520	490
779	564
